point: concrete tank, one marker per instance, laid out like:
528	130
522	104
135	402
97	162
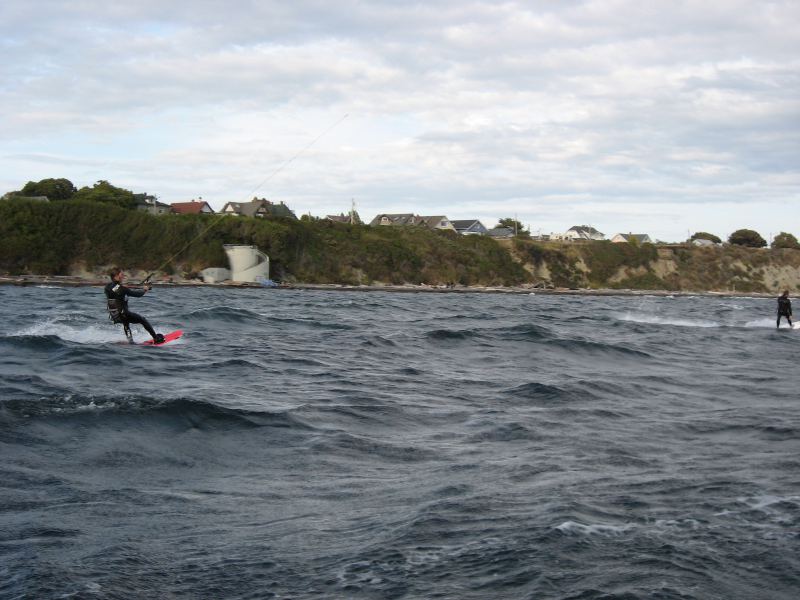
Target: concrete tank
247	263
215	274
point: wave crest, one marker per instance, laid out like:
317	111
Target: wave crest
178	412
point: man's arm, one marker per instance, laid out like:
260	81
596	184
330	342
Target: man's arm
135	293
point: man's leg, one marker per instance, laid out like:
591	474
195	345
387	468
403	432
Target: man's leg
134	318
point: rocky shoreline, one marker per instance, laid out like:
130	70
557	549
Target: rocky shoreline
73	281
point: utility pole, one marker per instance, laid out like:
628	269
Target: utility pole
352	211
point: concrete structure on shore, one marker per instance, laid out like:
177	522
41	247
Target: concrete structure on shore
215	275
248	263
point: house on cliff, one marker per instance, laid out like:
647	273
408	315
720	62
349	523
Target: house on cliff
150	204
439	222
195	207
395	220
18	196
258	208
501	233
633	238
703	243
352	218
582	233
469	227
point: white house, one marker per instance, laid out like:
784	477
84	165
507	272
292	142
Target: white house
637	238
583	232
704	243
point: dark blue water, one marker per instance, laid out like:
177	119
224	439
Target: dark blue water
303	444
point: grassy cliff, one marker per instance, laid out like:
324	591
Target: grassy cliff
60	238
648	267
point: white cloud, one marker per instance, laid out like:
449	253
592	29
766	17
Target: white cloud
566	112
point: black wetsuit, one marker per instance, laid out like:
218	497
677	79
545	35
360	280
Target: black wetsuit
118	307
784	310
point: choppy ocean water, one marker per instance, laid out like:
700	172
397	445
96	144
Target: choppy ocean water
309	444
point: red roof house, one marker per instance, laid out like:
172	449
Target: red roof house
195	207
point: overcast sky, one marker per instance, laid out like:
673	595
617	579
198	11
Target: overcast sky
648	117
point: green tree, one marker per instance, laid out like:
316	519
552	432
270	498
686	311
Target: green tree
54	189
785	240
748	238
703	235
515	226
104	192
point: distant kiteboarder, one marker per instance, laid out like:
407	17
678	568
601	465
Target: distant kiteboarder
117	293
784	308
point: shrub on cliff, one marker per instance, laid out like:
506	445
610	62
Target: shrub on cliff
54	189
785	240
104	192
748	238
605	259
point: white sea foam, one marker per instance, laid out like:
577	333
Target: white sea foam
657	320
677	523
765	501
763	322
595	529
93	334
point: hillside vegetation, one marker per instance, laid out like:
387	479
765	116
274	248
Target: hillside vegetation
62	238
648	267
59	238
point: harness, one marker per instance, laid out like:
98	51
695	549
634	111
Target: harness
118	312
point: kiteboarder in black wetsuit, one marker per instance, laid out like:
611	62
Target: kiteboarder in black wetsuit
118	312
784	308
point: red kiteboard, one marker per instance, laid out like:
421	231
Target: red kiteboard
168	337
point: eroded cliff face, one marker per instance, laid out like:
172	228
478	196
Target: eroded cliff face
678	268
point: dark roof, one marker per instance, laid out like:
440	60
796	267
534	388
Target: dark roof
500	232
433	221
464	223
148	200
259	207
345	218
639	237
397	219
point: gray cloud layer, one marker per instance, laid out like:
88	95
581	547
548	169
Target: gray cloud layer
620	113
